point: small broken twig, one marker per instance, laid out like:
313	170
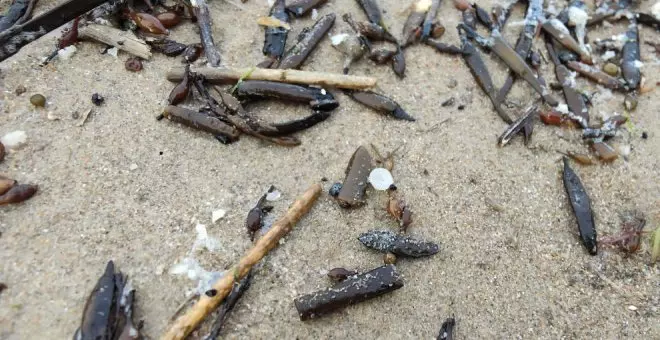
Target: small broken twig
122	40
219	76
206	304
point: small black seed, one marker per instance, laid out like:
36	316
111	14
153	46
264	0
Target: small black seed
97	99
334	190
645	135
211	292
324	179
160	153
392	187
461	107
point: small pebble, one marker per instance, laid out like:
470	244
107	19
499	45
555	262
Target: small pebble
218	214
14	140
133	64
452	83
632	308
630	102
334	189
133	167
211	292
645	135
389	258
97	99
461	107
611	69
448	102
273	195
20	89
38	100
381	179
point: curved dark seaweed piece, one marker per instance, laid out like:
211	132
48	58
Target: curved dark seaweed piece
574	100
353	290
380	103
412	26
306	42
228	304
373	31
470	18
524	121
181	91
275	37
298	125
581	204
100	309
318	99
629	68
447	329
443	48
18	193
595	74
398	244
254	219
168	47
371	9
478	69
301	7
355	184
483	17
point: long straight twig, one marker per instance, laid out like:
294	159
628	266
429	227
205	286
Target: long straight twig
205	305
204	21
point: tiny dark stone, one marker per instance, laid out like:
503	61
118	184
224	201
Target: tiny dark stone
2	287
324	179
340	274
97	99
20	89
645	135
211	292
425	172
461	107
448	102
334	189
392	187
160	153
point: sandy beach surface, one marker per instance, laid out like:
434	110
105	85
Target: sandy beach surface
128	188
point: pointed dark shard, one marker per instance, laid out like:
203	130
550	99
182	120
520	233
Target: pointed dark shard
182	90
355	184
518	125
501	14
560	32
524	43
447	329
380	103
412	27
581	205
470	18
318	99
399	62
478	69
301	7
630	60
306	42
574	100
371	9
401	245
443	48
483	17
355	289
369	30
275	37
648	20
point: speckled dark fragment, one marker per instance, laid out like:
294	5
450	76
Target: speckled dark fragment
581	204
402	245
353	290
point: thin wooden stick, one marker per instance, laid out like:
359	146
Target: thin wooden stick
122	40
217	75
204	22
186	323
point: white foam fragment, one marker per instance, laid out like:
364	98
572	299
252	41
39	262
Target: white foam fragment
67	52
192	269
381	179
315	14
608	55
113	52
624	150
562	108
14	140
273	195
338	38
218	214
204	240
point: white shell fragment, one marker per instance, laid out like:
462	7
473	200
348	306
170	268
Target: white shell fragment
218	214
204	240
14	140
273	195
381	179
67	52
113	52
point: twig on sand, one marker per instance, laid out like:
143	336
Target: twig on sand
217	75
204	21
205	305
122	40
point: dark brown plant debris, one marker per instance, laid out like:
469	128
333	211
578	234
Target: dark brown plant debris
406	246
